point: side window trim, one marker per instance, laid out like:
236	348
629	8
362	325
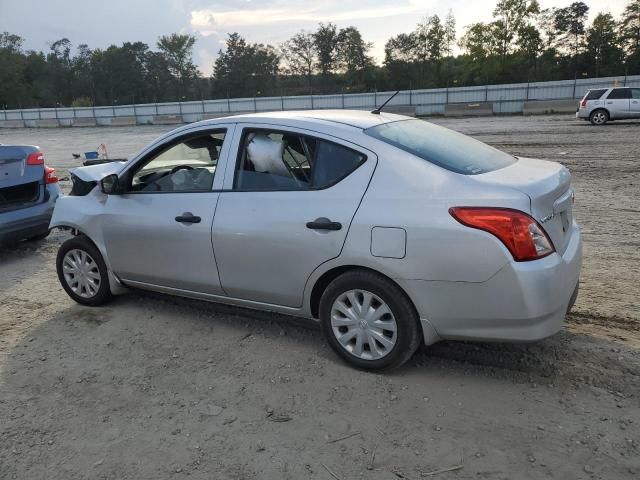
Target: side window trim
171	142
244	130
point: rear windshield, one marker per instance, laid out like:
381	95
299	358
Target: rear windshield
441	146
595	94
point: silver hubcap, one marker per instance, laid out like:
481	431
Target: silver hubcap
81	273
363	324
599	118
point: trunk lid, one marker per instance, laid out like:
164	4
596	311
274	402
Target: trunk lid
20	184
548	186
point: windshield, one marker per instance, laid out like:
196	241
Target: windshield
441	146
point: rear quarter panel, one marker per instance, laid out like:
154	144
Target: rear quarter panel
410	193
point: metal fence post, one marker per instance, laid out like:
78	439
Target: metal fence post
312	106
228	105
202	102
527	91
343	99
446	98
410	97
575	81
282	102
486	93
255	105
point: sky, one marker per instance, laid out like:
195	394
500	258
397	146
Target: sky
100	23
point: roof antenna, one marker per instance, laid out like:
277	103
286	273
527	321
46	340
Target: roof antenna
379	109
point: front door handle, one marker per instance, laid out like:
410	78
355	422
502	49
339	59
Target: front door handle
323	223
188	217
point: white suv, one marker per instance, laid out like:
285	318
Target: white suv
604	104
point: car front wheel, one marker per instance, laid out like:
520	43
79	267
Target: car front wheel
82	272
368	321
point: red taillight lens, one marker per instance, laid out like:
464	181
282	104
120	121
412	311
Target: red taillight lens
50	175
36	158
583	104
521	234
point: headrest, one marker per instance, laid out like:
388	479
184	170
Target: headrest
266	155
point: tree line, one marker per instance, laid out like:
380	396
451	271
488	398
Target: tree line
523	42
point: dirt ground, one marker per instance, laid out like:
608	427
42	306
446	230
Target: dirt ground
160	387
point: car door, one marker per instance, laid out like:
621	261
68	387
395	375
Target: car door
634	107
617	103
158	230
286	209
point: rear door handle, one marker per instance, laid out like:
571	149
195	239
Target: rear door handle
323	223
188	217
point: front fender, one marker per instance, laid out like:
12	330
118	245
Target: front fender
84	215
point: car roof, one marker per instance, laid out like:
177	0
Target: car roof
360	119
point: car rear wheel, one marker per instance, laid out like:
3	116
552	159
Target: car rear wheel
368	321
82	272
599	117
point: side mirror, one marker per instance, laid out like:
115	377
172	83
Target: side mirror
110	184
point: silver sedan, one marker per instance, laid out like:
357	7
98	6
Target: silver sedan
390	231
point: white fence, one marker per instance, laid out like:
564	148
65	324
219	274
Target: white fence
505	99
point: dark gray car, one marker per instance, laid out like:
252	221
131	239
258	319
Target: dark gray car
28	191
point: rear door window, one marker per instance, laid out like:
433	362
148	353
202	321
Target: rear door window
619	93
278	160
635	93
441	146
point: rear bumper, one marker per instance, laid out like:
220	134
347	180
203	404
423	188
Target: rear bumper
524	301
30	221
582	114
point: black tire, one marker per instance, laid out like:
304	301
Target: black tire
103	293
408	326
599	117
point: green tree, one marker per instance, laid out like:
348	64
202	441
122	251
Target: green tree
479	45
400	58
630	27
12	66
512	17
178	50
449	33
300	56
244	69
570	26
529	45
326	44
602	44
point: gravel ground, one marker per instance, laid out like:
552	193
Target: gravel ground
161	387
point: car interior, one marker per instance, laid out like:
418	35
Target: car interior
187	166
275	161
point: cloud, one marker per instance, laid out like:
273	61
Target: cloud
211	20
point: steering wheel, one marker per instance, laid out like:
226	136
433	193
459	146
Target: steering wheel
180	167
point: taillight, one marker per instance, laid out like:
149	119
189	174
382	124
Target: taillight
50	175
36	158
583	104
521	234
